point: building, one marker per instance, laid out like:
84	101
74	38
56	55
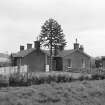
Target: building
35	58
75	58
38	59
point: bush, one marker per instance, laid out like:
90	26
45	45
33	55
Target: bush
4	81
81	78
18	80
98	76
51	77
41	78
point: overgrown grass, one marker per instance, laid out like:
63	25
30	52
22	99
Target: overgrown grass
73	93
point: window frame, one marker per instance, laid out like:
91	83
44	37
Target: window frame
83	63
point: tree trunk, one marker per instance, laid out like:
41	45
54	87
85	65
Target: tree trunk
51	56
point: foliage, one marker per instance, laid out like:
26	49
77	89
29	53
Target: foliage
98	63
42	78
18	80
98	76
51	77
51	34
74	93
3	81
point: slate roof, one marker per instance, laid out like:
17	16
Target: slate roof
67	52
61	53
22	53
26	52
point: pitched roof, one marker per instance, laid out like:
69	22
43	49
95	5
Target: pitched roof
84	53
67	52
26	52
22	53
61	53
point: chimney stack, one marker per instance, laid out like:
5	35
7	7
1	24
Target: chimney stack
61	47
76	45
21	48
58	49
81	48
29	45
37	45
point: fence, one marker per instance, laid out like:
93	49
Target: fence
89	71
15	69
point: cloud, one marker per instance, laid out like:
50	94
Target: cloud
21	20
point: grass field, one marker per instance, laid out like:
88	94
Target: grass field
74	93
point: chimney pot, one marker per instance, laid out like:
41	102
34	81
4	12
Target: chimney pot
76	46
81	48
21	48
37	45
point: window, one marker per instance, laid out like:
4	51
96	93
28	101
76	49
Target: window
83	63
69	63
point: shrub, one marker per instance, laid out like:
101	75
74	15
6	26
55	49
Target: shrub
41	78
98	76
81	78
18	80
4	81
50	77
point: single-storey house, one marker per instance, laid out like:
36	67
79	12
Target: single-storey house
35	58
75	58
38	59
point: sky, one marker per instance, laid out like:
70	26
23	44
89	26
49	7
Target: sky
21	21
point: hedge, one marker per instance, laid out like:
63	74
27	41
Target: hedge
41	78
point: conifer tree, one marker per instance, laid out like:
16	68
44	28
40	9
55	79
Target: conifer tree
52	35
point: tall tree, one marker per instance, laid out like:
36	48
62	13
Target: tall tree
52	35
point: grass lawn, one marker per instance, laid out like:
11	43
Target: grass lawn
74	93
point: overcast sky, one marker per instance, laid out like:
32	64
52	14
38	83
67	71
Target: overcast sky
21	21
